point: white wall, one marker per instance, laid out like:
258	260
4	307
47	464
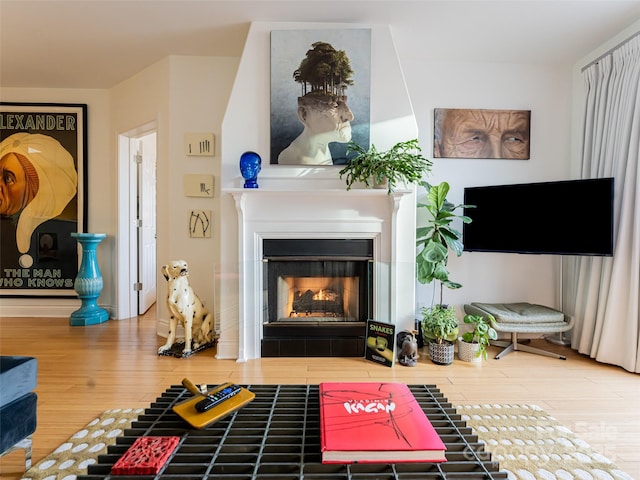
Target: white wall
543	89
246	127
190	94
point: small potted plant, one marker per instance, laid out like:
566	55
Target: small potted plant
440	329
472	345
402	164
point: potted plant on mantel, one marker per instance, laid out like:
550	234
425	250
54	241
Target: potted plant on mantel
434	242
472	345
401	164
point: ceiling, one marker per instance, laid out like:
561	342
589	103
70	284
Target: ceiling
99	43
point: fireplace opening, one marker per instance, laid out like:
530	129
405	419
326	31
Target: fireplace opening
319	294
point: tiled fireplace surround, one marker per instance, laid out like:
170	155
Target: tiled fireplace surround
388	220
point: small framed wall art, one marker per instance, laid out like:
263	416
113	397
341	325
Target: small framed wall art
198	185
200	224
199	144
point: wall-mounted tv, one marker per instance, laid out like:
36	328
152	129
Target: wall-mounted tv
572	217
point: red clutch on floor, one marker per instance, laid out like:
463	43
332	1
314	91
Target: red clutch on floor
146	456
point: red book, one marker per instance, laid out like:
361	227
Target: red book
375	423
146	456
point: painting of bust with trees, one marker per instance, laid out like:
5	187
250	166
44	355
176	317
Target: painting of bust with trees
320	95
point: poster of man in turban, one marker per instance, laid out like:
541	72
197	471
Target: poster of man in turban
42	165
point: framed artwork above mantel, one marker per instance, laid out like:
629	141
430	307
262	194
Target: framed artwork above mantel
43	157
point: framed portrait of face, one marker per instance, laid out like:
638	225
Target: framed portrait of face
473	133
320	95
43	165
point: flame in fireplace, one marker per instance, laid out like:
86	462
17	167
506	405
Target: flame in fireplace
318	297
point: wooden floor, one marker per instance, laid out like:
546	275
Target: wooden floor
86	370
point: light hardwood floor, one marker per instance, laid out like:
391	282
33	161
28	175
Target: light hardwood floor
86	370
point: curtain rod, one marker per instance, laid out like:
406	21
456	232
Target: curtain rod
610	51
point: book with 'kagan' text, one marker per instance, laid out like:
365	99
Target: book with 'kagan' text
373	422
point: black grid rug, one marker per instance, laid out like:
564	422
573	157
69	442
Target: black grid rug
277	436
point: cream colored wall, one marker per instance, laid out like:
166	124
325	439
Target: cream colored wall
181	94
200	88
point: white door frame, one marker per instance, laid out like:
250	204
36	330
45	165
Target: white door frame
127	242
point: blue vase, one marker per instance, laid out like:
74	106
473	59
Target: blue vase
250	166
88	283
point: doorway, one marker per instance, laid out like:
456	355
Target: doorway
137	221
145	160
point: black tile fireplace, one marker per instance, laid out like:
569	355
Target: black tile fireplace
318	296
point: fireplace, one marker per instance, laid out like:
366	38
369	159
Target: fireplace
319	294
349	219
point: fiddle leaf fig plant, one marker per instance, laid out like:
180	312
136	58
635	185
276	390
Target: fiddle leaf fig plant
438	237
403	163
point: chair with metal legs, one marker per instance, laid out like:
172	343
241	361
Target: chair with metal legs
515	318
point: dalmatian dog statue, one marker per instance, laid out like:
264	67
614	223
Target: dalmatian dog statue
186	308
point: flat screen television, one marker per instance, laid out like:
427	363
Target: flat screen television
572	217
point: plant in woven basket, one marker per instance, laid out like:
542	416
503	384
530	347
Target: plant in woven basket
403	163
482	333
440	329
439	323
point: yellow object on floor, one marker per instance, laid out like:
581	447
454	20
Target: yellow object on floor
187	409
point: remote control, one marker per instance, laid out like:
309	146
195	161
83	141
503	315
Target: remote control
217	398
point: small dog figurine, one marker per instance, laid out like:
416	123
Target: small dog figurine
407	348
185	307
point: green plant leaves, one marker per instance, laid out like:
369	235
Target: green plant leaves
436	239
440	323
482	332
403	163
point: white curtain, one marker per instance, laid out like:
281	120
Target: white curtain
605	291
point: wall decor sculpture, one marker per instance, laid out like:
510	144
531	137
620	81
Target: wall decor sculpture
320	95
43	161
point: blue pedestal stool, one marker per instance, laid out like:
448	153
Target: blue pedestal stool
522	317
18	404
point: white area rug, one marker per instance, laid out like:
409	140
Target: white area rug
527	442
530	444
74	456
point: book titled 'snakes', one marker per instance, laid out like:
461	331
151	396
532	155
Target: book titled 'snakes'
374	422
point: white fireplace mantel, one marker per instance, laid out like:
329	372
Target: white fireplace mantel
387	219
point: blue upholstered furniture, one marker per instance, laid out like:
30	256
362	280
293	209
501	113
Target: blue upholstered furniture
522	317
18	402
